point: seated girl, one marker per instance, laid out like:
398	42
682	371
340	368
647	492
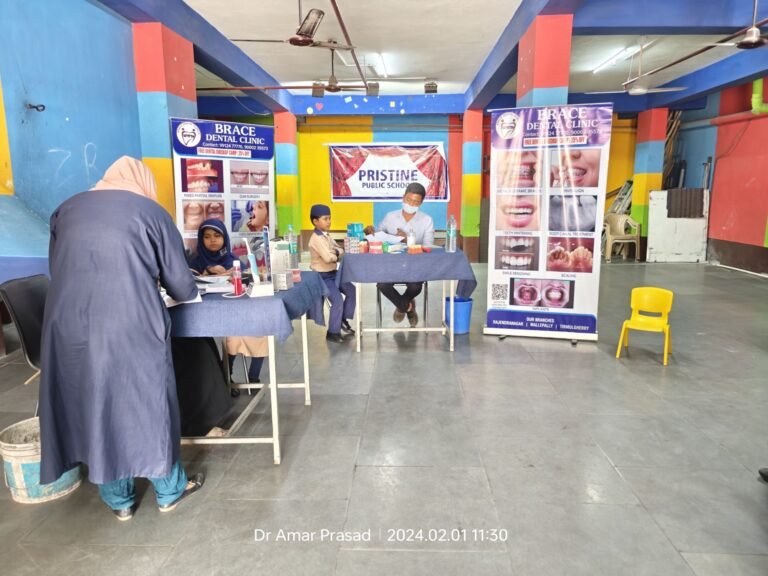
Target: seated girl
214	256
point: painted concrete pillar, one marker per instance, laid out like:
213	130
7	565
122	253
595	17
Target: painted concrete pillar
165	85
6	174
287	173
544	61
471	181
649	162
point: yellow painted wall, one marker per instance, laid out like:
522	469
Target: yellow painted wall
621	165
6	174
315	166
162	169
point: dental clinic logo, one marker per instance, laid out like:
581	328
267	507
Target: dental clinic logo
188	134
508	125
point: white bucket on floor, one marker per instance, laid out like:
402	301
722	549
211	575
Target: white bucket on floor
20	449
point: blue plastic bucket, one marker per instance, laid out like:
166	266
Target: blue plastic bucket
463	310
20	449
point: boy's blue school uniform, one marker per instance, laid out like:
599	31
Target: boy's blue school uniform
325	255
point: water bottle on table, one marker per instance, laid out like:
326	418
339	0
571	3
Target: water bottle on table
450	235
293	247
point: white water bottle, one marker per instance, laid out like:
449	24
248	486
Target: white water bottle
410	239
450	235
293	247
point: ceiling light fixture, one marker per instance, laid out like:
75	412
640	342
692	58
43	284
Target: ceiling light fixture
430	88
383	66
623	54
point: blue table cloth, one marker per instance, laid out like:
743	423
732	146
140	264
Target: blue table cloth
435	265
265	316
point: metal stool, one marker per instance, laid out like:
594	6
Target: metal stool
425	292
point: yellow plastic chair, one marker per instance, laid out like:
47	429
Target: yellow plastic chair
654	301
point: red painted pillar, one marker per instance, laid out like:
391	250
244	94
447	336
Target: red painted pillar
165	84
544	61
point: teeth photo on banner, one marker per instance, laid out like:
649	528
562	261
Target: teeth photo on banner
202	176
517	253
195	211
517	212
570	254
568	213
250	216
518	169
575	168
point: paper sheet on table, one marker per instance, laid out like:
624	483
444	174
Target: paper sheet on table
384	237
170	302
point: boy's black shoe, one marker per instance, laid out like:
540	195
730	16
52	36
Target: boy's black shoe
345	327
331	337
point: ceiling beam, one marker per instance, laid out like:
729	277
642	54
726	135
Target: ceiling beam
740	68
230	106
213	51
501	63
622	103
660	17
342	105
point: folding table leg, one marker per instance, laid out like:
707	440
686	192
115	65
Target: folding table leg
453	311
305	357
273	400
358	312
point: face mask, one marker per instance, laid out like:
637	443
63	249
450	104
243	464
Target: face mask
408	209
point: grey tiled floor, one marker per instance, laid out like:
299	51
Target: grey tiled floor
594	466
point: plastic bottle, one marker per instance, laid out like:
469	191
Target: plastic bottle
237	278
450	235
411	239
293	247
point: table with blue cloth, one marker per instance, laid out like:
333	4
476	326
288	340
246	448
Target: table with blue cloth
270	316
452	268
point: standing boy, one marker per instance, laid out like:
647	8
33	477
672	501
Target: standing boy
325	256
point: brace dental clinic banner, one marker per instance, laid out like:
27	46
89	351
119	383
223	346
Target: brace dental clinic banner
549	167
223	170
382	171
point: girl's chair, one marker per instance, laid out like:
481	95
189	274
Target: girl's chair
644	301
621	229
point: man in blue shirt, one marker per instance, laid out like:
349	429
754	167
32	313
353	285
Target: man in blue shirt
407	220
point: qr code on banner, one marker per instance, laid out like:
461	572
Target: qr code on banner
499	292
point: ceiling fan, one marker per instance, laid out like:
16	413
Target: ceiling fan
634	86
752	36
305	33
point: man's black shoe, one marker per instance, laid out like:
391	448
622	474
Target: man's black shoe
345	327
331	337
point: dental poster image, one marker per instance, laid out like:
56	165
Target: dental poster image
223	170
549	167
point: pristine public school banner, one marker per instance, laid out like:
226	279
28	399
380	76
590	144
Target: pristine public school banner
549	167
382	171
